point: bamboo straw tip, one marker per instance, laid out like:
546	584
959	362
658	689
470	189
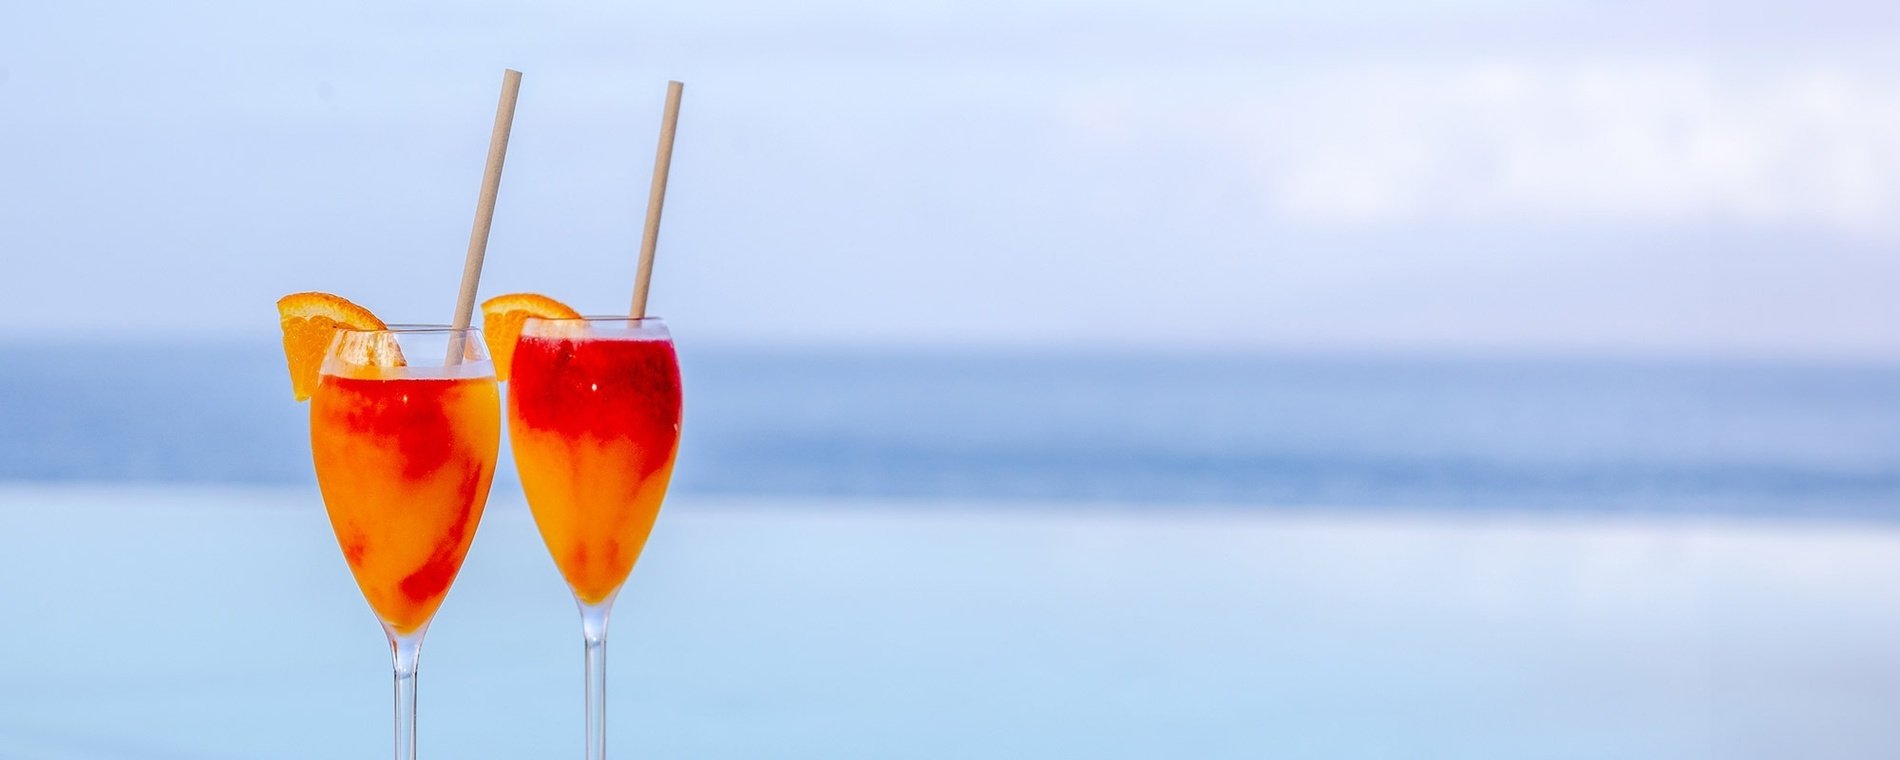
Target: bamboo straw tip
485	204
656	198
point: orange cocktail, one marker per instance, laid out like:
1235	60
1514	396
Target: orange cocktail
594	413
404	464
404	427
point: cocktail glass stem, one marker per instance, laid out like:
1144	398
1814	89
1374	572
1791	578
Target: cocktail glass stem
594	639
406	649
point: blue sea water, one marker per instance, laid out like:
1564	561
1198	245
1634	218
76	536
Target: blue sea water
1133	429
934	555
219	623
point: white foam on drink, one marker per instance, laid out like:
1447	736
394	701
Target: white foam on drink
598	328
463	371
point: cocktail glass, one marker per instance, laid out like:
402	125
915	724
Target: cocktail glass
594	421
404	457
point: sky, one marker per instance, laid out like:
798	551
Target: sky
1620	178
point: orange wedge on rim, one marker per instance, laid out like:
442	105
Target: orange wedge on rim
502	317
310	322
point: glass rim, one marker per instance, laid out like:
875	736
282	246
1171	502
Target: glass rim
596	318
414	327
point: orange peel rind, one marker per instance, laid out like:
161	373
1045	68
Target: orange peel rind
503	316
310	321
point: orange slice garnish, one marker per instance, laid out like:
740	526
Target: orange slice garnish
502	317
310	322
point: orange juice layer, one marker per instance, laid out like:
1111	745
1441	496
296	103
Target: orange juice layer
404	465
595	426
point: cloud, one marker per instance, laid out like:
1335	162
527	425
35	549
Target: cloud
1594	143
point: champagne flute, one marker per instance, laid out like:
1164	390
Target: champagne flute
594	422
404	434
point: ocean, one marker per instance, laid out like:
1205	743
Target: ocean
933	555
1157	430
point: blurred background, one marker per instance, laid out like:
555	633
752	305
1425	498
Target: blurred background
1113	379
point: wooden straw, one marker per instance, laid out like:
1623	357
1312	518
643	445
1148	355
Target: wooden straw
656	198
484	211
